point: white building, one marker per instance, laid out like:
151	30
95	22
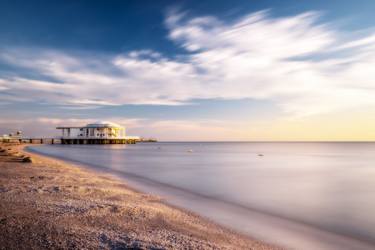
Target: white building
100	132
12	137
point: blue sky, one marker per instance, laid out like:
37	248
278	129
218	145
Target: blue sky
190	70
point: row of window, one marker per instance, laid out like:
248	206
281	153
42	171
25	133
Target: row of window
99	135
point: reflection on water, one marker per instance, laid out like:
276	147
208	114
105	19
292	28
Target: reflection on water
304	195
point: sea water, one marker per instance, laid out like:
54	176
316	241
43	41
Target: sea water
298	195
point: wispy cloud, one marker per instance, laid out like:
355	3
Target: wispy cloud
301	64
161	129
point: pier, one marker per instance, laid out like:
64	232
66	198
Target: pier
100	132
98	141
40	140
72	141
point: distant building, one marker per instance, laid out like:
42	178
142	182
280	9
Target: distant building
100	132
12	137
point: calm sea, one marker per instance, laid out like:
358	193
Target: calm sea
300	195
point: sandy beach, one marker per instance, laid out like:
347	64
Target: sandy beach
52	204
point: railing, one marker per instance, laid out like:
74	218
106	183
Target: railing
94	137
34	140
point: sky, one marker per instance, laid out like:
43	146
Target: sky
191	70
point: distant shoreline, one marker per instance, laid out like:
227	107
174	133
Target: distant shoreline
58	204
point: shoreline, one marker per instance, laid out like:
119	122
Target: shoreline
85	208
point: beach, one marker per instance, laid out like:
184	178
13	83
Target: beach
53	204
296	195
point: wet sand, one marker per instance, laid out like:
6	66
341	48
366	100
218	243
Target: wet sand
52	204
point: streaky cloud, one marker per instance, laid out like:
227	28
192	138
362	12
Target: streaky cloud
256	56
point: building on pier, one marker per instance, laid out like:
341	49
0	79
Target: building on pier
12	137
100	132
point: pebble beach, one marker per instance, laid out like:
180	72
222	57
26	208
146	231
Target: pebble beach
48	203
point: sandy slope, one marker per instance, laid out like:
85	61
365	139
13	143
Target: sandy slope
51	204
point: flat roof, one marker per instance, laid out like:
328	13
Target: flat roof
91	126
67	127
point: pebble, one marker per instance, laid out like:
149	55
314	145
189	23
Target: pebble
27	159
